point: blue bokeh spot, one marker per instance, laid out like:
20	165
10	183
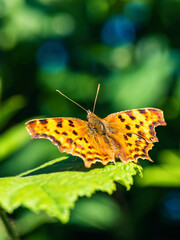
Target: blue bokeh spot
52	56
171	207
117	31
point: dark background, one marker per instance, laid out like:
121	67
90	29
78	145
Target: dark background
132	49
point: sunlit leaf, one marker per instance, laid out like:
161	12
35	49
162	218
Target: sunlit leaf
42	189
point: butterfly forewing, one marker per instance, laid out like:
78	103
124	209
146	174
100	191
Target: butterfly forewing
134	132
71	135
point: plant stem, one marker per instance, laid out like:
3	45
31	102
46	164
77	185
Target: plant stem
8	225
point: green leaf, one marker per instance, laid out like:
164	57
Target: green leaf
55	186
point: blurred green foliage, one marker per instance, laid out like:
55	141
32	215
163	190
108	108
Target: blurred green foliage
72	46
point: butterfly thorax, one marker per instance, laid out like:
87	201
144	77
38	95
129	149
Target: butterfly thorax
95	123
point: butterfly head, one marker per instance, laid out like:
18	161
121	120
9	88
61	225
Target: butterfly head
90	115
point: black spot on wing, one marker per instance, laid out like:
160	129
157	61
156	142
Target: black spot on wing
121	118
143	150
153	110
71	123
51	137
75	133
142	111
44	135
141	133
128	127
69	140
151	131
32	122
59	123
43	121
56	131
90	147
129	134
65	133
125	137
129	144
55	141
85	140
141	123
151	127
129	113
137	126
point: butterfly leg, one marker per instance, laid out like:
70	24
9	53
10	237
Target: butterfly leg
75	159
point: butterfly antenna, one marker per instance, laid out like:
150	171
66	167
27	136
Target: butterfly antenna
96	97
71	100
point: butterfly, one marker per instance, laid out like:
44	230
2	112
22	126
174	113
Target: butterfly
127	135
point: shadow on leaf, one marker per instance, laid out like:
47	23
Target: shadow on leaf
62	165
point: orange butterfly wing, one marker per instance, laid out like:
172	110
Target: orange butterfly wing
72	135
132	132
128	135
